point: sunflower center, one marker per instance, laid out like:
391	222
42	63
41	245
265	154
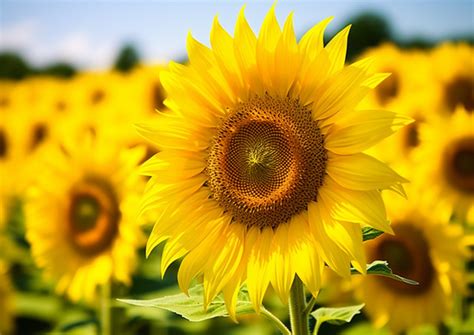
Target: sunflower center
460	92
40	132
412	137
3	144
61	106
93	215
97	96
4	102
267	161
388	89
407	254
459	165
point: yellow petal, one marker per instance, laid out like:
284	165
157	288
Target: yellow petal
268	38
337	49
282	271
195	261
306	259
363	207
335	257
259	264
287	60
342	90
228	253
374	80
205	71
170	166
361	172
360	130
312	41
223	48
245	48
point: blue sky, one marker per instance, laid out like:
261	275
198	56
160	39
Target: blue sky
88	33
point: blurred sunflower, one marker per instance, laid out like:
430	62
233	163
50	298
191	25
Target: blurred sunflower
81	216
408	72
453	68
445	161
260	176
398	150
425	248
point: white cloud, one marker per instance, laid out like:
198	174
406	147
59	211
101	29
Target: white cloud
83	50
18	35
78	47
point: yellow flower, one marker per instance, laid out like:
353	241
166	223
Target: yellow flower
424	248
398	150
260	175
144	92
81	215
445	161
408	70
453	68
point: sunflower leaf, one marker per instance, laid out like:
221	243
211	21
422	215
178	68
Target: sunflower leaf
381	268
369	233
336	316
192	307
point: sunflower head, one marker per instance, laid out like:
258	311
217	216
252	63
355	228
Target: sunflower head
260	175
267	161
453	70
81	215
446	154
425	248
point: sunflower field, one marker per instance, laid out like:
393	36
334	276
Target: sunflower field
270	183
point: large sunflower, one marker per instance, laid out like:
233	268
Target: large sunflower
424	248
81	215
445	159
260	176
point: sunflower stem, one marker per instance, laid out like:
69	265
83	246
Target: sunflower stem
309	306
298	319
276	321
105	316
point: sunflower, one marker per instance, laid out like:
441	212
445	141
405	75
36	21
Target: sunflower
425	248
260	175
453	69
407	81
81	215
398	150
445	160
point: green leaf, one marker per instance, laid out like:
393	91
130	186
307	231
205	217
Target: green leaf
381	268
337	315
192	307
369	233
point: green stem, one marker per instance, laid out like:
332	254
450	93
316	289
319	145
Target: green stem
105	309
280	325
310	306
298	319
316	327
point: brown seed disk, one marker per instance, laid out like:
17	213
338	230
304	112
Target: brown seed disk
93	215
267	161
408	255
460	91
459	164
389	88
